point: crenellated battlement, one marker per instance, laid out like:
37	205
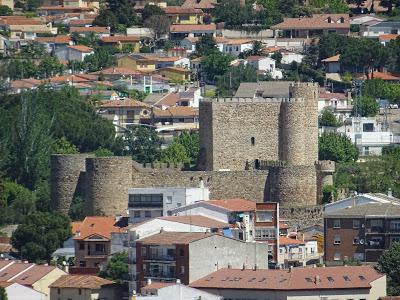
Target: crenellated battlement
305	84
252	100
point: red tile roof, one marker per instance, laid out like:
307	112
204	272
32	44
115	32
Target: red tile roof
176	69
81	282
120	38
326	95
388	37
89	29
5	284
33	275
118	71
178	111
202	4
81	22
19	20
334	58
81	48
317	21
238	41
102	226
196	220
172	238
156	286
64	8
177	10
192	28
128	103
59	39
350	277
235	205
288	241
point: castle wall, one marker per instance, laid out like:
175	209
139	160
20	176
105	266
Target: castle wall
292	139
239	130
66	175
293	185
107	183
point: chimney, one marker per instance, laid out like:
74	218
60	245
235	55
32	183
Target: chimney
161	229
290	269
389	193
148	281
255	267
229	266
243	267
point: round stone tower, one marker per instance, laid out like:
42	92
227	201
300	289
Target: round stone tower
107	183
292	139
310	93
67	172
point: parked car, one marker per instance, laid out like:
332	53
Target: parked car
393	106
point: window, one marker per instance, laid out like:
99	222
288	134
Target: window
336	223
145	200
356	240
368	127
346	278
144	251
395	224
358	256
81	246
181	252
100	248
169	200
356	223
330	279
264	233
147	214
376	223
182	269
136	214
59	291
253	141
337	256
80	291
82	264
264	216
337	240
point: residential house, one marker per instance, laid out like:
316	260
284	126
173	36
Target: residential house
361	232
309	27
344	282
331	64
233	211
75	52
60	10
99	32
124	113
207	6
179	31
381	28
264	64
9	3
184	15
80	22
176	119
168	256
175	74
189	97
172	61
148	203
53	43
16	291
37	277
5	46
288	57
340	103
168	291
292	252
236	46
131	42
83	287
189	43
136	62
18	86
360	199
30	32
385	39
92	241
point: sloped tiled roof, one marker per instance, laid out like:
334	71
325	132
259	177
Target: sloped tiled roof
178	111
81	48
33	275
89	29
120	38
131	103
196	220
334	58
80	281
325	278
234	205
317	21
202	4
288	241
102	226
59	39
192	28
172	238
176	10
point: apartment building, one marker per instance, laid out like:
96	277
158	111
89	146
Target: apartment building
361	232
148	203
188	256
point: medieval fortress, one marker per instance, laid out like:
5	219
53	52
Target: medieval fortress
262	149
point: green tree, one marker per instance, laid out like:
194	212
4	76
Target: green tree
32	5
159	25
215	64
150	10
327	118
143	143
365	107
174	154
191	143
116	269
40	234
33	50
123	11
5	11
106	18
49	66
228	83
103	152
336	147
389	264
3	294
102	58
63	146
206	45
77	209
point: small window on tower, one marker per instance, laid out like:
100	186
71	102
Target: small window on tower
253	141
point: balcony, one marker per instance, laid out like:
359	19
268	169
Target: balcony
161	275
374	229
375	245
294	256
160	257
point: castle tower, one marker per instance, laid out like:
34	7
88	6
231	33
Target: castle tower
107	183
67	175
292	138
310	93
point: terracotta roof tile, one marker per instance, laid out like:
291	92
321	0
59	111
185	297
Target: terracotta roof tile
177	10
192	28
334	58
33	275
81	48
89	29
120	38
288	241
172	238
81	22
123	103
388	37
156	285
59	39
13	269
64	8
202	4
350	277
178	111
81	282
234	204
5	284
196	220
317	21
238	41
176	69
102	226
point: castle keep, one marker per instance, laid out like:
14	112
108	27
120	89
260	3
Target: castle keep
262	149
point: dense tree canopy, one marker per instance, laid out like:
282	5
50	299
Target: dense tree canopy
337	147
327	118
40	235
215	64
116	269
143	144
389	263
365	107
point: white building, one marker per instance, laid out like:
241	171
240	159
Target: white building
265	64
340	103
236	46
175	291
147	203
233	211
77	52
290	57
15	291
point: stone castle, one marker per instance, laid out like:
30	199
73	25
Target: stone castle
262	149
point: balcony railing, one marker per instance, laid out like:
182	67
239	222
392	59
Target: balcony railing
294	256
163	275
375	245
160	257
374	229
